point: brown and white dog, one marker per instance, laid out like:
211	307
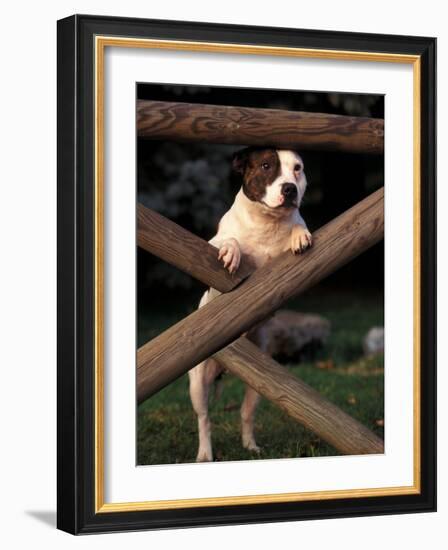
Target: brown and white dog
263	222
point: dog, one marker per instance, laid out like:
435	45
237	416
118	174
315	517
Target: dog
263	222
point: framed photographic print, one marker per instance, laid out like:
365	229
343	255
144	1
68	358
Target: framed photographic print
246	274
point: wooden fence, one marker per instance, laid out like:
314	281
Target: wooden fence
249	126
250	295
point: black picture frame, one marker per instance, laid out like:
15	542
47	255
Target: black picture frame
76	301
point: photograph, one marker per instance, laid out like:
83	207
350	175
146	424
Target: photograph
253	204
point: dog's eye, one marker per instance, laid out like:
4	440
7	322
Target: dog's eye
265	166
297	168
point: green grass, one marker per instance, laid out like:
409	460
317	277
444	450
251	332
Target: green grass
167	431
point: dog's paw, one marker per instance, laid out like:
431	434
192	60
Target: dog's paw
230	255
249	443
204	455
300	239
252	446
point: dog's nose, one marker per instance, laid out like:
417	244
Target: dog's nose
289	190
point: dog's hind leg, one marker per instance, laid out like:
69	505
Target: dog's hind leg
248	408
199	391
251	399
201	379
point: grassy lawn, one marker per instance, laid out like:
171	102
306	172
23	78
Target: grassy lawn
167	430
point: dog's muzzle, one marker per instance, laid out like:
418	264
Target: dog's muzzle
289	192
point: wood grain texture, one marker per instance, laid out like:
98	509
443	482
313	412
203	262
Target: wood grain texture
251	126
297	399
186	251
217	324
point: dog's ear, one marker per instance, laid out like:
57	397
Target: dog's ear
239	161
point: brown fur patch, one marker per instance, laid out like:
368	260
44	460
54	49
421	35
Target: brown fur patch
258	168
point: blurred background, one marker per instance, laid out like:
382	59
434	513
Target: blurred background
190	184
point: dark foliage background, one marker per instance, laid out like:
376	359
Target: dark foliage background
190	184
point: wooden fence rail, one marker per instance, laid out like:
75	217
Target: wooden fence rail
223	320
297	399
180	248
249	126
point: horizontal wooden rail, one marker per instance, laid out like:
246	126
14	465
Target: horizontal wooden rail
297	399
186	251
220	322
249	126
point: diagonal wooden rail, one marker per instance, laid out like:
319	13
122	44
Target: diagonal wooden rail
223	320
250	126
182	249
245	360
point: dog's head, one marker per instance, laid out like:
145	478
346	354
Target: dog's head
272	177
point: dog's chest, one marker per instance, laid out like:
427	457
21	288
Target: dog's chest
263	244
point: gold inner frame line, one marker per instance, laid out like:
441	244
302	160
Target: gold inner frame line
101	42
